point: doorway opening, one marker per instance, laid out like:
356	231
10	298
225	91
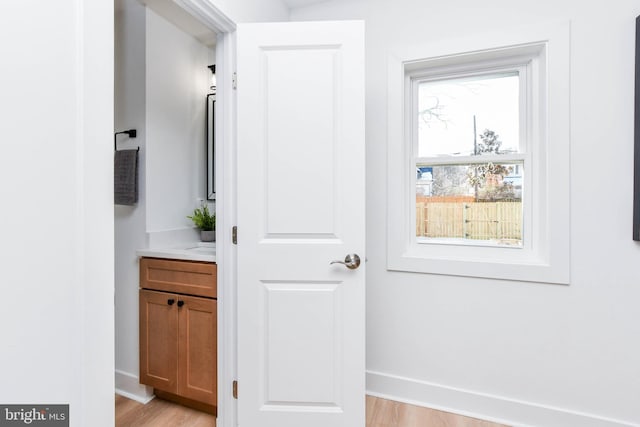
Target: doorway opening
157	42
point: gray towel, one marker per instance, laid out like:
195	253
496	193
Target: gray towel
125	177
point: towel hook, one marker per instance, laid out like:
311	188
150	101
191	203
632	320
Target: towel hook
131	132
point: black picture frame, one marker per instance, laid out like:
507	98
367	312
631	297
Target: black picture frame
636	156
210	149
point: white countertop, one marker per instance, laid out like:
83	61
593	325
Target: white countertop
197	251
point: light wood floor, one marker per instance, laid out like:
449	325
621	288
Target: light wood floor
388	413
380	413
159	413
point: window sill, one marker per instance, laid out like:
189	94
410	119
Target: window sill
524	268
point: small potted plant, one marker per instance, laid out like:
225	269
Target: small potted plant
206	222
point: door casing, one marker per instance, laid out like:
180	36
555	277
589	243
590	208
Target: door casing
225	174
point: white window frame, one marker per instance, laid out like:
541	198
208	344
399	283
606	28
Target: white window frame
541	57
525	62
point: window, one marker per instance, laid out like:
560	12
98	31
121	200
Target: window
479	158
470	156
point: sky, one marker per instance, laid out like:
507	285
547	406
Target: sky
494	101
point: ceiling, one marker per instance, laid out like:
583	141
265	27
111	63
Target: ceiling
292	4
182	19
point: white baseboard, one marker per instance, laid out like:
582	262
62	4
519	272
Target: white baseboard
479	405
128	385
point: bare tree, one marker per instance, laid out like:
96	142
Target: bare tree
450	180
434	112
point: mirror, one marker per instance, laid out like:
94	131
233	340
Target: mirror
210	141
636	178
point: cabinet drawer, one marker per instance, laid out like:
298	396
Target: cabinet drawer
185	277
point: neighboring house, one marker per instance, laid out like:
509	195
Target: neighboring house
515	180
424	181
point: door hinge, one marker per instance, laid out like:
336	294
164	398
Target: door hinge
234	235
235	389
234	80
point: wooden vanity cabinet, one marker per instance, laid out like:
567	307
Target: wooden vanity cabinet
178	330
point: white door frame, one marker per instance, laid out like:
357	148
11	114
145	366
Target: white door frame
225	178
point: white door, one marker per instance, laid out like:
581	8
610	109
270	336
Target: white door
301	324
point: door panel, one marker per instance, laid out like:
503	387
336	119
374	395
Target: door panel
300	150
300	206
304	374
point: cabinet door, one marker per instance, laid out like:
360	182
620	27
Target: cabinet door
197	349
159	340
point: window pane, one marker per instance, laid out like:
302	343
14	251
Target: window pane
470	202
469	116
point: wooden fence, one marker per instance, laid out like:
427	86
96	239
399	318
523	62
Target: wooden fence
470	220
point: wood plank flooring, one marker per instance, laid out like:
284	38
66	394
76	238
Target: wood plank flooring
159	413
380	413
388	413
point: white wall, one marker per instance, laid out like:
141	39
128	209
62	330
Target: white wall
57	216
130	221
526	353
177	82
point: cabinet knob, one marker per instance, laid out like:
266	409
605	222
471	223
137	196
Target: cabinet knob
170	301
180	303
